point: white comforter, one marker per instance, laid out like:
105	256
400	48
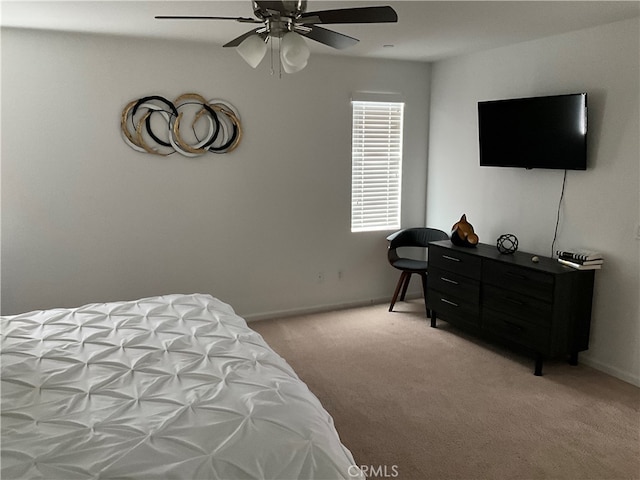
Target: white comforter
165	387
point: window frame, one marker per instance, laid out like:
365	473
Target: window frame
377	131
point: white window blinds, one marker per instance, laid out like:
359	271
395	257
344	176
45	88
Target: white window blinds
376	165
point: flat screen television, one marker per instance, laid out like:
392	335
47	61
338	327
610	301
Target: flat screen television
535	132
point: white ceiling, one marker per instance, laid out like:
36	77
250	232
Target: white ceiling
426	30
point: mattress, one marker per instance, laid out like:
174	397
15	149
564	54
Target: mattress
176	386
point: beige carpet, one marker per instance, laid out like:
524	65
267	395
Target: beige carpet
412	402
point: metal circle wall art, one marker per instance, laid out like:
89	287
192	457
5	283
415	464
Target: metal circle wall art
156	125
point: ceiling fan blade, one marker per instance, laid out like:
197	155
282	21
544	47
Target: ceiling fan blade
237	41
350	15
192	17
329	37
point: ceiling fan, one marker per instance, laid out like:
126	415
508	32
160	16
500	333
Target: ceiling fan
289	22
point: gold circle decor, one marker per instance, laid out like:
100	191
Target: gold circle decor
156	125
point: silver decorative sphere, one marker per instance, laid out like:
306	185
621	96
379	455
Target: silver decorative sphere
507	243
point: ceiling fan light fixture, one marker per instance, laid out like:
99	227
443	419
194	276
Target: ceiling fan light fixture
294	52
288	68
252	50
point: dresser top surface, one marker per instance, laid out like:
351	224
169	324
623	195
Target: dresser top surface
518	258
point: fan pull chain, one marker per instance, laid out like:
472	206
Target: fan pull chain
279	58
271	53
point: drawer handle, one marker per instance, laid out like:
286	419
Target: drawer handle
514	301
514	326
449	302
448	280
453	259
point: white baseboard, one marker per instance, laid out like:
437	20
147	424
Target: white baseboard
610	370
314	309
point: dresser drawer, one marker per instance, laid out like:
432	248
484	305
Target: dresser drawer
454	284
522	280
517	305
454	309
535	337
455	261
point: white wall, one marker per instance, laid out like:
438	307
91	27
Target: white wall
601	207
85	218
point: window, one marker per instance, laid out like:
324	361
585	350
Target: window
376	165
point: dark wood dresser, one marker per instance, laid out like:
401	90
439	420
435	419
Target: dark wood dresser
543	308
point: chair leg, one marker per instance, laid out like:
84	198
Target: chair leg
405	286
401	281
424	289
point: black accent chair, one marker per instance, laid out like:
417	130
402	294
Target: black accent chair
411	237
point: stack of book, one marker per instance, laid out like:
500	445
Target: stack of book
581	259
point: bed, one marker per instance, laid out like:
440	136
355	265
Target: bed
175	386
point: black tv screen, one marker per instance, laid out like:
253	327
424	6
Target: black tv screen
536	132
